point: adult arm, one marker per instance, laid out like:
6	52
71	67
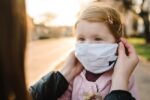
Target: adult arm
54	84
125	65
119	95
50	87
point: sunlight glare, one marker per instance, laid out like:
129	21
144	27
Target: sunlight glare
65	10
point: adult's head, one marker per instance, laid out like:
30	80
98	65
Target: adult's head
12	48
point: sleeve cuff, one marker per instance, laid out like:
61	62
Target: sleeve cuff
119	95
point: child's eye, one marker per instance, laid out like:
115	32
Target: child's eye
98	39
81	39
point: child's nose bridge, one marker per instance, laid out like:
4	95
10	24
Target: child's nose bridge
89	41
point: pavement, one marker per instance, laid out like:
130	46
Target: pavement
43	56
142	75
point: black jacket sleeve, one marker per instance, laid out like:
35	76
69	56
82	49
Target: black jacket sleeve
119	95
50	87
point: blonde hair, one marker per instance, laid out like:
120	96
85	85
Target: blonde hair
99	12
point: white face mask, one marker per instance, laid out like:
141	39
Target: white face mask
96	58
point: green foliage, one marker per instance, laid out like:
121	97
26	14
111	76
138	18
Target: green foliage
141	48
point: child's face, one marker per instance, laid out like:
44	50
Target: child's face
93	32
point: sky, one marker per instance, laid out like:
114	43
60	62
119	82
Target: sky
65	10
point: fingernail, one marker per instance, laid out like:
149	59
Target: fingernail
120	42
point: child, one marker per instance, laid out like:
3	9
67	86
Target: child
98	31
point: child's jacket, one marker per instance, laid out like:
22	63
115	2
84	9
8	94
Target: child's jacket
81	89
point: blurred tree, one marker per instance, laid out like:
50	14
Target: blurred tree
42	26
127	4
45	18
144	14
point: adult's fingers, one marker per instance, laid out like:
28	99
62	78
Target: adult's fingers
130	48
72	53
71	56
121	49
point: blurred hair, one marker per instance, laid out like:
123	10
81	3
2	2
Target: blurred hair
12	50
99	12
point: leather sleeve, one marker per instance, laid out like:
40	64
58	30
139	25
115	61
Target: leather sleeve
50	87
119	95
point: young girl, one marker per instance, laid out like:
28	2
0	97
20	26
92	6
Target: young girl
98	31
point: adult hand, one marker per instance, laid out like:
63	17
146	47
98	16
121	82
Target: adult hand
72	67
125	65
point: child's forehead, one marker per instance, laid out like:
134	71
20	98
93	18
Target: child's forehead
91	27
90	24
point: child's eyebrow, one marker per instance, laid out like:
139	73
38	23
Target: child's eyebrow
79	35
97	35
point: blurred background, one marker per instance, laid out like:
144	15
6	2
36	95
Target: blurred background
50	35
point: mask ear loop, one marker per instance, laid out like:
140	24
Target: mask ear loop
117	41
117	51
